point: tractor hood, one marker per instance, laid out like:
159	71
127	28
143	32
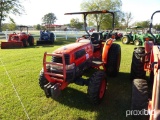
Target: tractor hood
71	47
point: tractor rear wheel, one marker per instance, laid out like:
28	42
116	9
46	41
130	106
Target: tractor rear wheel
31	40
52	37
42	80
25	43
139	99
96	87
125	40
113	60
137	65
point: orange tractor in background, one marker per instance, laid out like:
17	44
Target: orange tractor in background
18	40
68	63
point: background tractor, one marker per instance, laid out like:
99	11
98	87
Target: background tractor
135	35
46	38
18	40
146	91
68	64
118	35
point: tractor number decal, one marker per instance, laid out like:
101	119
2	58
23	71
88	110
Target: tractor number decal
87	56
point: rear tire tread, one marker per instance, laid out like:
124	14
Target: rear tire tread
139	94
113	61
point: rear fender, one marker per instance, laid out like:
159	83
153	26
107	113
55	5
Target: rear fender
126	35
149	54
129	37
106	48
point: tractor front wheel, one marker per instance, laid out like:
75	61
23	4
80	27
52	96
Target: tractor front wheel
42	80
96	87
137	42
125	40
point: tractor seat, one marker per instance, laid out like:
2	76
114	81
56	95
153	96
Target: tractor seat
95	39
22	33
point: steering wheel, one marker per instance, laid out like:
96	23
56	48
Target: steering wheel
14	32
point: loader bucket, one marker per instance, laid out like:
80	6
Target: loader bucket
10	45
44	42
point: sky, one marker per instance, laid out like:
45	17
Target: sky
35	9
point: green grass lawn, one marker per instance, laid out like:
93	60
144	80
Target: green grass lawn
23	66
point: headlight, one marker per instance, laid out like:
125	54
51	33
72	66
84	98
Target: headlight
68	67
71	66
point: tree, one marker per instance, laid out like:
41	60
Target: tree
103	20
10	26
49	19
38	27
75	23
9	7
144	24
157	26
127	18
4	26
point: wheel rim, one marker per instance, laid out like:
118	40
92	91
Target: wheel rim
124	40
136	42
102	89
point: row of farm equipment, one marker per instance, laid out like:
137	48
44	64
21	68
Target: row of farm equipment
137	35
24	39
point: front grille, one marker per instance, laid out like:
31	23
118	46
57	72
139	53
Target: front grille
69	74
59	59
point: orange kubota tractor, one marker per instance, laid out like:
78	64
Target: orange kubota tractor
146	92
68	63
18	40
